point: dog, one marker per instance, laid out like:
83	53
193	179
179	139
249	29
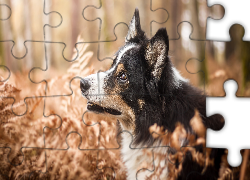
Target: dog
142	88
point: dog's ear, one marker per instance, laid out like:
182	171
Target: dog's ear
134	30
156	53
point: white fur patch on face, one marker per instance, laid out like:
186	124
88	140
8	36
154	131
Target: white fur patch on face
119	56
96	92
98	80
123	51
99	93
178	79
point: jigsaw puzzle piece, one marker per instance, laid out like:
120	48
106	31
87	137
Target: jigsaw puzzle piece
148	17
96	130
73	23
212	77
20	28
183	42
108	44
221	62
230	107
87	128
44	74
72	164
23	163
8	118
195	12
230	18
103	31
67	100
25	131
185	148
138	160
93	136
183	49
206	164
63	106
17	73
116	170
146	169
62	162
107	49
225	171
67	72
109	160
187	151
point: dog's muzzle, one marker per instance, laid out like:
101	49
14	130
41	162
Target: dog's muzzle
93	101
84	85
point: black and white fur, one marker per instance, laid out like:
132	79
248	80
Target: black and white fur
142	88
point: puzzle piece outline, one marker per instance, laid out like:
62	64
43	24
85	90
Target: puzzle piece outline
71	89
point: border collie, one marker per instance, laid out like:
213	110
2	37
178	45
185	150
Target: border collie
142	88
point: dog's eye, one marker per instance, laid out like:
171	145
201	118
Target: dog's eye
123	77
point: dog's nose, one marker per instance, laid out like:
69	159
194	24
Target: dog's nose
84	85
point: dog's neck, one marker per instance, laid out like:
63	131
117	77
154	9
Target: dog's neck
165	111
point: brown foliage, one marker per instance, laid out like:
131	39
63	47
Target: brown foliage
174	140
72	161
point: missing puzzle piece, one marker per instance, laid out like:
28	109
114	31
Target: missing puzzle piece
194	12
218	29
235	111
223	60
156	14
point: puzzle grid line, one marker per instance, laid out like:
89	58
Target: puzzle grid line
48	42
74	59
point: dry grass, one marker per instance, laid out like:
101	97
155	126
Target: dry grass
60	160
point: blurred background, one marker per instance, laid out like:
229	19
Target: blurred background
39	41
103	25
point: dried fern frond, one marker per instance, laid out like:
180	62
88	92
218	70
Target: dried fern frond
28	130
202	158
81	65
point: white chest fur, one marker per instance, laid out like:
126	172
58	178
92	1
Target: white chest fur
144	162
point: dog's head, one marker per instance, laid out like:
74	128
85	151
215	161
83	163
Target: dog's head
135	78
